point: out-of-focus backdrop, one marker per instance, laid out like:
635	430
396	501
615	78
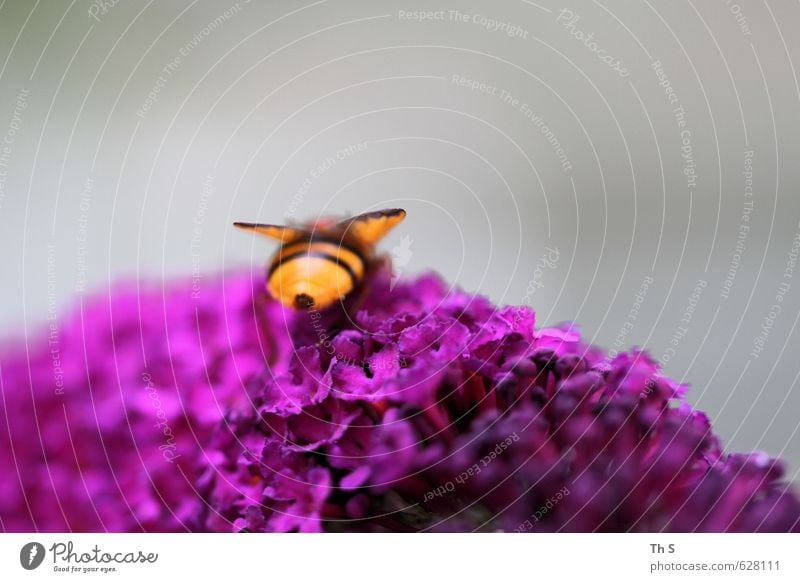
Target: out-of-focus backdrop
630	166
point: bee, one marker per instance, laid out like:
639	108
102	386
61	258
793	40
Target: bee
323	261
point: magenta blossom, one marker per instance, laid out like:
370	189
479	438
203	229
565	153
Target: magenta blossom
412	408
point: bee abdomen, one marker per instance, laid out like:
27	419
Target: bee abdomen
314	273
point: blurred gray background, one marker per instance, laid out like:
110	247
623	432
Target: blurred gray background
630	166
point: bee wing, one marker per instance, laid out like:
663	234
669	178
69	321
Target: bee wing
280	233
371	227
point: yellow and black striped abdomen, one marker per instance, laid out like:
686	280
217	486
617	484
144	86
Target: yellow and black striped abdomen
314	273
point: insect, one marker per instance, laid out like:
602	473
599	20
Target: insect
321	262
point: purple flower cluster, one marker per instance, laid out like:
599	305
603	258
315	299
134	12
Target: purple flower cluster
105	414
414	408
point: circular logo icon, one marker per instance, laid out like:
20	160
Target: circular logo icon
31	555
